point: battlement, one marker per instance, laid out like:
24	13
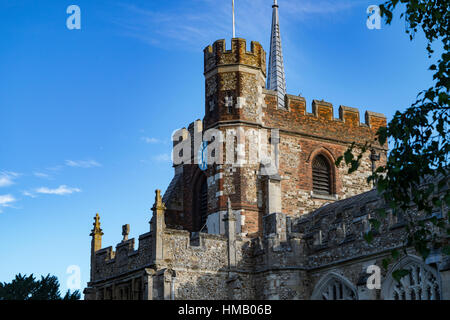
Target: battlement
125	257
296	116
217	55
178	243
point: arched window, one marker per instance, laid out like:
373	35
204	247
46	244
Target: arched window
334	287
321	175
421	282
200	204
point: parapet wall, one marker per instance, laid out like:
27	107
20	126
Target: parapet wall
321	122
198	251
110	263
217	55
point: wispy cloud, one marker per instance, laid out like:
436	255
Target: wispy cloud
150	140
319	7
163	157
29	194
6	201
61	190
198	22
189	24
7	178
56	169
41	175
83	163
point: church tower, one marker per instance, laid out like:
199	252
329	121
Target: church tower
234	82
276	80
276	157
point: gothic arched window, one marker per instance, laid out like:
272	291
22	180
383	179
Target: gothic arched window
200	207
421	282
334	287
321	175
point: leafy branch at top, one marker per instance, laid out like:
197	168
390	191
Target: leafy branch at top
416	174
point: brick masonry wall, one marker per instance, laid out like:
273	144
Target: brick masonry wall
297	150
234	100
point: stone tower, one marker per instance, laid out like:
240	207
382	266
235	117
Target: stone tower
234	102
234	80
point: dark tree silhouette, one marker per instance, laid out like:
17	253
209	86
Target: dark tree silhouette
24	287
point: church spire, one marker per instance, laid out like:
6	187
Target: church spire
276	79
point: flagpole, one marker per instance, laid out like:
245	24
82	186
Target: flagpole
234	28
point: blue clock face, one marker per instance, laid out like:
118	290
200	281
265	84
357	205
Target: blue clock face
203	156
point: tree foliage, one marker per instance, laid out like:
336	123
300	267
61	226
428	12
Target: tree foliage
417	169
24	287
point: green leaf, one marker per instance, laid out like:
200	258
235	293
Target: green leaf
399	274
368	237
423	250
381	212
382	135
447	199
386	263
446	250
395	254
375	223
348	156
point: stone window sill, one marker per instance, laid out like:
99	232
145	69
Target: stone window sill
332	197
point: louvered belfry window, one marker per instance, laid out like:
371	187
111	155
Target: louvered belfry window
321	174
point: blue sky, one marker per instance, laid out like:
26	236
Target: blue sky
86	115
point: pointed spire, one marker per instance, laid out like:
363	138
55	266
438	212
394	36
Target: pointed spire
159	204
96	234
96	230
157	226
276	78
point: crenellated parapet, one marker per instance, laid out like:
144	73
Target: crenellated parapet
375	120
182	250
124	258
163	247
217	55
322	110
321	121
